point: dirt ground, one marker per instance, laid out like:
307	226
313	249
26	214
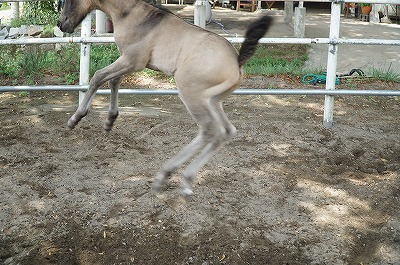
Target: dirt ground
285	190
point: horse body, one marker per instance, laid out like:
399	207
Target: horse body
205	65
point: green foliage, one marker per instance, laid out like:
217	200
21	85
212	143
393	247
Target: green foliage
48	32
71	78
9	61
4	5
39	13
278	59
33	62
385	74
17	22
24	94
101	56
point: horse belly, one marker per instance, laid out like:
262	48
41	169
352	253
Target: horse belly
164	62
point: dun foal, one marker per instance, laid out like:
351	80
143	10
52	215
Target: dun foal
206	68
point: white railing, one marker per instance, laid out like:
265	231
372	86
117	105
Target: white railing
333	41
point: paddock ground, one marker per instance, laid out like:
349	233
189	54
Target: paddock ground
283	191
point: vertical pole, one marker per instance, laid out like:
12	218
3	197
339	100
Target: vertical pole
300	22
200	13
100	22
374	15
288	13
85	55
15	10
332	63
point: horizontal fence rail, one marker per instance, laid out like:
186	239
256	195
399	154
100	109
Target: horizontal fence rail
240	91
80	40
316	1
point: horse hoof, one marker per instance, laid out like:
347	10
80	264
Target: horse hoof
70	126
107	129
71	123
157	186
186	192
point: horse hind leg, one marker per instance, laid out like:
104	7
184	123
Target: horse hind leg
214	130
113	109
201	113
222	130
172	164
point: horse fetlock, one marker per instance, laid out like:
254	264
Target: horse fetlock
231	132
157	185
188	177
112	117
186	188
160	180
108	125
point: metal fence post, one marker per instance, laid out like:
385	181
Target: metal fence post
100	22
332	63
85	55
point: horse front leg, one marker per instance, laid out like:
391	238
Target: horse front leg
113	110
83	107
115	71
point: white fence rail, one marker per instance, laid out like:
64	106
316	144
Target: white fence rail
333	41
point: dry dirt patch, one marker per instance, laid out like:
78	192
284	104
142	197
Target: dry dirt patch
283	191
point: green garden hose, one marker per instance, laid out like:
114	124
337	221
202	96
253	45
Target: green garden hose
317	79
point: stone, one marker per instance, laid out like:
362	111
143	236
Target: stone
23	30
13	33
57	32
35	30
3	33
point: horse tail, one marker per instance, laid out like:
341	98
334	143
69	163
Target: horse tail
256	31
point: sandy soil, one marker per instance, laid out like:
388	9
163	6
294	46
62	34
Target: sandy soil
285	190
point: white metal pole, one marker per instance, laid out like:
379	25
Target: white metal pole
332	63
30	41
100	22
85	55
200	13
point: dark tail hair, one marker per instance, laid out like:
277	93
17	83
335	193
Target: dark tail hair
256	31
